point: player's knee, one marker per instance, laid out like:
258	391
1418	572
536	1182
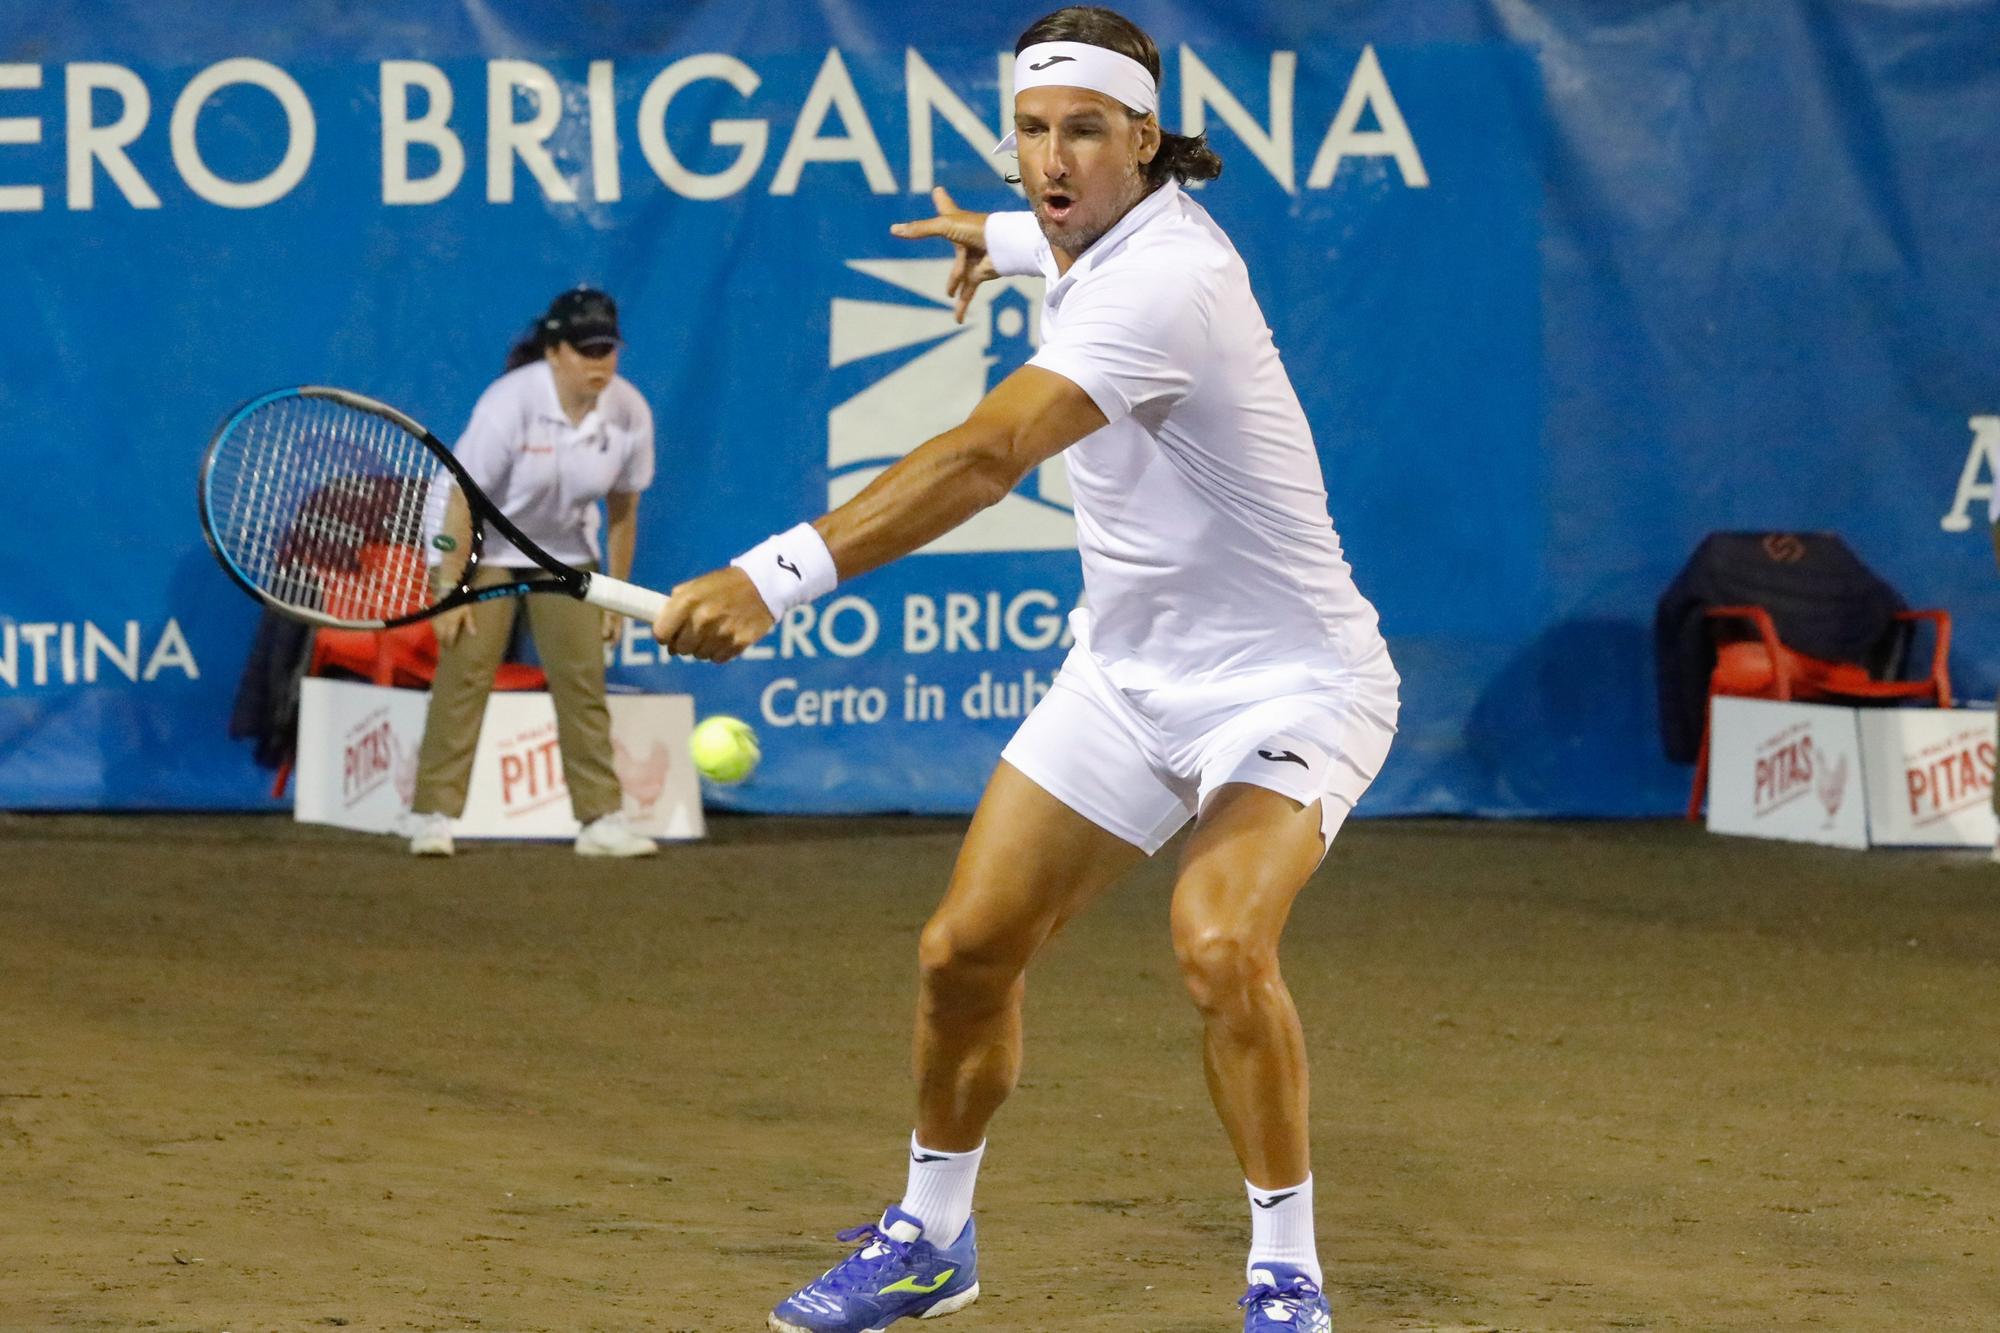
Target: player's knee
960	966
1223	964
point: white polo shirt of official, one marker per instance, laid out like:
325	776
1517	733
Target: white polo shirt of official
1201	509
547	473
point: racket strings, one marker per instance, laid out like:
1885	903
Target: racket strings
320	505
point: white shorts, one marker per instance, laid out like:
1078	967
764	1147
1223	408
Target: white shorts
1141	763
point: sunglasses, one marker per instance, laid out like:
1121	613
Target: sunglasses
596	349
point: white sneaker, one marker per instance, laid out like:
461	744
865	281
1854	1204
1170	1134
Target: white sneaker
609	836
430	835
1996	849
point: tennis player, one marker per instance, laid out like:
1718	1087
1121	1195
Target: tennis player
1227	669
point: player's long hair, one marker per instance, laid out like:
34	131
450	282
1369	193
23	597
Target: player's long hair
1185	157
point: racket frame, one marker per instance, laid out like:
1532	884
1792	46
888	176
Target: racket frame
598	589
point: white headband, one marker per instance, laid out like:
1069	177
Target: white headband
1081	65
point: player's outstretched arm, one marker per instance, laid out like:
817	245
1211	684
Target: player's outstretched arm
970	264
1028	418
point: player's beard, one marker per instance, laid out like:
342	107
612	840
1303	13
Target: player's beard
1078	234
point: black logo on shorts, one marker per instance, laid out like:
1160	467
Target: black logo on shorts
1284	757
1275	1199
1052	60
791	569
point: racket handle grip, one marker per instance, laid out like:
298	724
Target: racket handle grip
627	599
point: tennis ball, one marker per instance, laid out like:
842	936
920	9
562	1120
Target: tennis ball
725	749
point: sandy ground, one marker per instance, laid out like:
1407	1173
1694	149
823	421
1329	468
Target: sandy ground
1612	1076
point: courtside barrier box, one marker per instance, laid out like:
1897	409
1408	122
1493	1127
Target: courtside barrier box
357	762
1930	776
1852	777
1785	770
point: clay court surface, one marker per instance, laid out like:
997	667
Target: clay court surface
1568	1077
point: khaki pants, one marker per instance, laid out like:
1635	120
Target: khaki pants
568	636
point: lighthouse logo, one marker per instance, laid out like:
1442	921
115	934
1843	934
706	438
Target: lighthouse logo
904	371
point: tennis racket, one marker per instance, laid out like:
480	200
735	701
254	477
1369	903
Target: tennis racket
314	501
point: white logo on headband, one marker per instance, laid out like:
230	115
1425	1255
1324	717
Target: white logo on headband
1080	65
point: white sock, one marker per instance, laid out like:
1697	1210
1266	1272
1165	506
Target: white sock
940	1190
1281	1229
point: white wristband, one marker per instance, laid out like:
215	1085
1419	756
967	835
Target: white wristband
789	569
1014	244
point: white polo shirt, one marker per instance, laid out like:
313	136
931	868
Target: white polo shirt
546	473
1201	511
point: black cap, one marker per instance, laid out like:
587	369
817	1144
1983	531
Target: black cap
580	316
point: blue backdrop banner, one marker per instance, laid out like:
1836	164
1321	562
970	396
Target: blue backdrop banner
1559	295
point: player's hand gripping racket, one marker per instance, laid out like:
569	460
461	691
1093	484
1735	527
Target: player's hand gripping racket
314	501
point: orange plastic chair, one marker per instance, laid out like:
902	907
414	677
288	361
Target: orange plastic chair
405	656
1762	667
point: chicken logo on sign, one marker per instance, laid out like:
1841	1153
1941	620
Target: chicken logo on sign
1832	785
643	777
